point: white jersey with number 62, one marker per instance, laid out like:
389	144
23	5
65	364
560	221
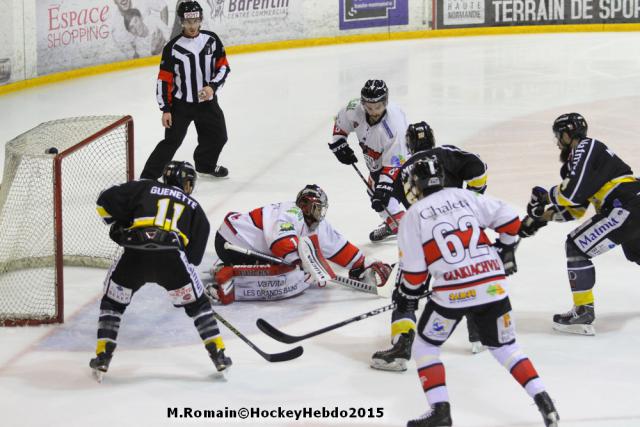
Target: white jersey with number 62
444	235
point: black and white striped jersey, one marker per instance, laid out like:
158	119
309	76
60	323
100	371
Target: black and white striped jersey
189	64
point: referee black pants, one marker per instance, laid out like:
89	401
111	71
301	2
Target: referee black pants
212	135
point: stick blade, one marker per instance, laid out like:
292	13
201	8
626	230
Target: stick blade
274	333
285	356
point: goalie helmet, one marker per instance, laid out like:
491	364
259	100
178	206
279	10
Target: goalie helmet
374	91
419	137
190	10
180	174
426	177
573	124
313	203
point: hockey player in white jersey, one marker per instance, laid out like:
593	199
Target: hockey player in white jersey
461	169
284	230
442	235
380	127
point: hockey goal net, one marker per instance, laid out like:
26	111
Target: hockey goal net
48	194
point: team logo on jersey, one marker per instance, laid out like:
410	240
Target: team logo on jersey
494	290
457	297
294	210
286	226
398	161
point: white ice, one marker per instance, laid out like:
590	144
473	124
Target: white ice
496	96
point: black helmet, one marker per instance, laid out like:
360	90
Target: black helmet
420	137
374	91
425	177
573	124
189	10
179	174
313	203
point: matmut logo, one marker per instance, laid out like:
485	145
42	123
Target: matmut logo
599	229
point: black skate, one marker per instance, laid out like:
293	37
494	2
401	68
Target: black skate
221	361
382	232
547	409
438	416
395	358
474	335
217	172
578	320
100	363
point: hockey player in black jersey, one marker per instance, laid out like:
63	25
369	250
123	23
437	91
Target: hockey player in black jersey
164	232
460	167
591	173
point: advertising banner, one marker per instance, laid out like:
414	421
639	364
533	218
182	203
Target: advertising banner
79	33
372	13
7	46
498	13
240	22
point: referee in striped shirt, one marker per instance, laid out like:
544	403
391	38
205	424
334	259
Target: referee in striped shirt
193	68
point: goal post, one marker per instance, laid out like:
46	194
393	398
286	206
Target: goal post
52	177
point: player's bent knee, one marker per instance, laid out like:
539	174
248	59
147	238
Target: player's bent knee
573	252
192	309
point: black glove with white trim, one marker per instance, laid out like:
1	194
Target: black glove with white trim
343	152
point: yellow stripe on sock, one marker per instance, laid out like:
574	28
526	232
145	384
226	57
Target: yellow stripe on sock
402	326
583	297
101	347
217	340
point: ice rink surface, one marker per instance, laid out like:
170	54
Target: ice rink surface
496	96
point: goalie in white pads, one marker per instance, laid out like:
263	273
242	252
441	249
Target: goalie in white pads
296	232
443	235
380	127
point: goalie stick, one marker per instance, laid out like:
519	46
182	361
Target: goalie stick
351	283
270	357
278	335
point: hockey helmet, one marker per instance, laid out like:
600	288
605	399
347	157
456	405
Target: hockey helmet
180	174
313	203
420	137
573	124
374	91
425	177
190	10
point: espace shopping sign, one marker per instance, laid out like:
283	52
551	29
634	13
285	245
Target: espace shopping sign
500	13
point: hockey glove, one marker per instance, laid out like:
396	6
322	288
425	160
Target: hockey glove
343	152
507	254
377	273
381	196
116	232
530	226
404	303
539	200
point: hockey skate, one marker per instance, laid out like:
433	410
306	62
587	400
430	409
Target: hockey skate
100	363
578	320
395	358
547	409
382	232
219	359
438	416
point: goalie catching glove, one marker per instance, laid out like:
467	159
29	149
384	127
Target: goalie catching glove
373	272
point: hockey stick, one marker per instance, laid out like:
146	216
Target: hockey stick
367	184
278	335
351	283
270	357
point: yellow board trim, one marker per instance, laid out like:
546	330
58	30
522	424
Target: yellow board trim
324	41
583	297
